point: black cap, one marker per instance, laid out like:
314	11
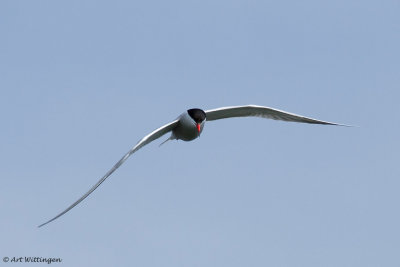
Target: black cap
198	115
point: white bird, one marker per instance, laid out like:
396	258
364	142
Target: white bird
190	124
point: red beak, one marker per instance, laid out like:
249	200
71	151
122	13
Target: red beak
198	127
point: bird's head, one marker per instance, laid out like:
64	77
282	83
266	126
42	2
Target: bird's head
199	117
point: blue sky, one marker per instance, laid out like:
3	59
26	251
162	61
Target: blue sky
82	81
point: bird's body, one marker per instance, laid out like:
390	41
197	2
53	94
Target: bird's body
190	124
186	128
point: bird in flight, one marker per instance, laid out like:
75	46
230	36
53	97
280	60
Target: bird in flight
189	125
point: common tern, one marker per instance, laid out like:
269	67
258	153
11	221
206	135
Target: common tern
189	125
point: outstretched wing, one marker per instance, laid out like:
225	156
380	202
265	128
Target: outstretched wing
144	141
260	111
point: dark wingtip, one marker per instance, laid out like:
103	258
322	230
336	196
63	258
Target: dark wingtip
43	224
344	125
49	221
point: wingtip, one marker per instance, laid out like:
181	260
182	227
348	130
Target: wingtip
43	224
345	125
49	221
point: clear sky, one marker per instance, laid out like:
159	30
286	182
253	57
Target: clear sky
82	81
